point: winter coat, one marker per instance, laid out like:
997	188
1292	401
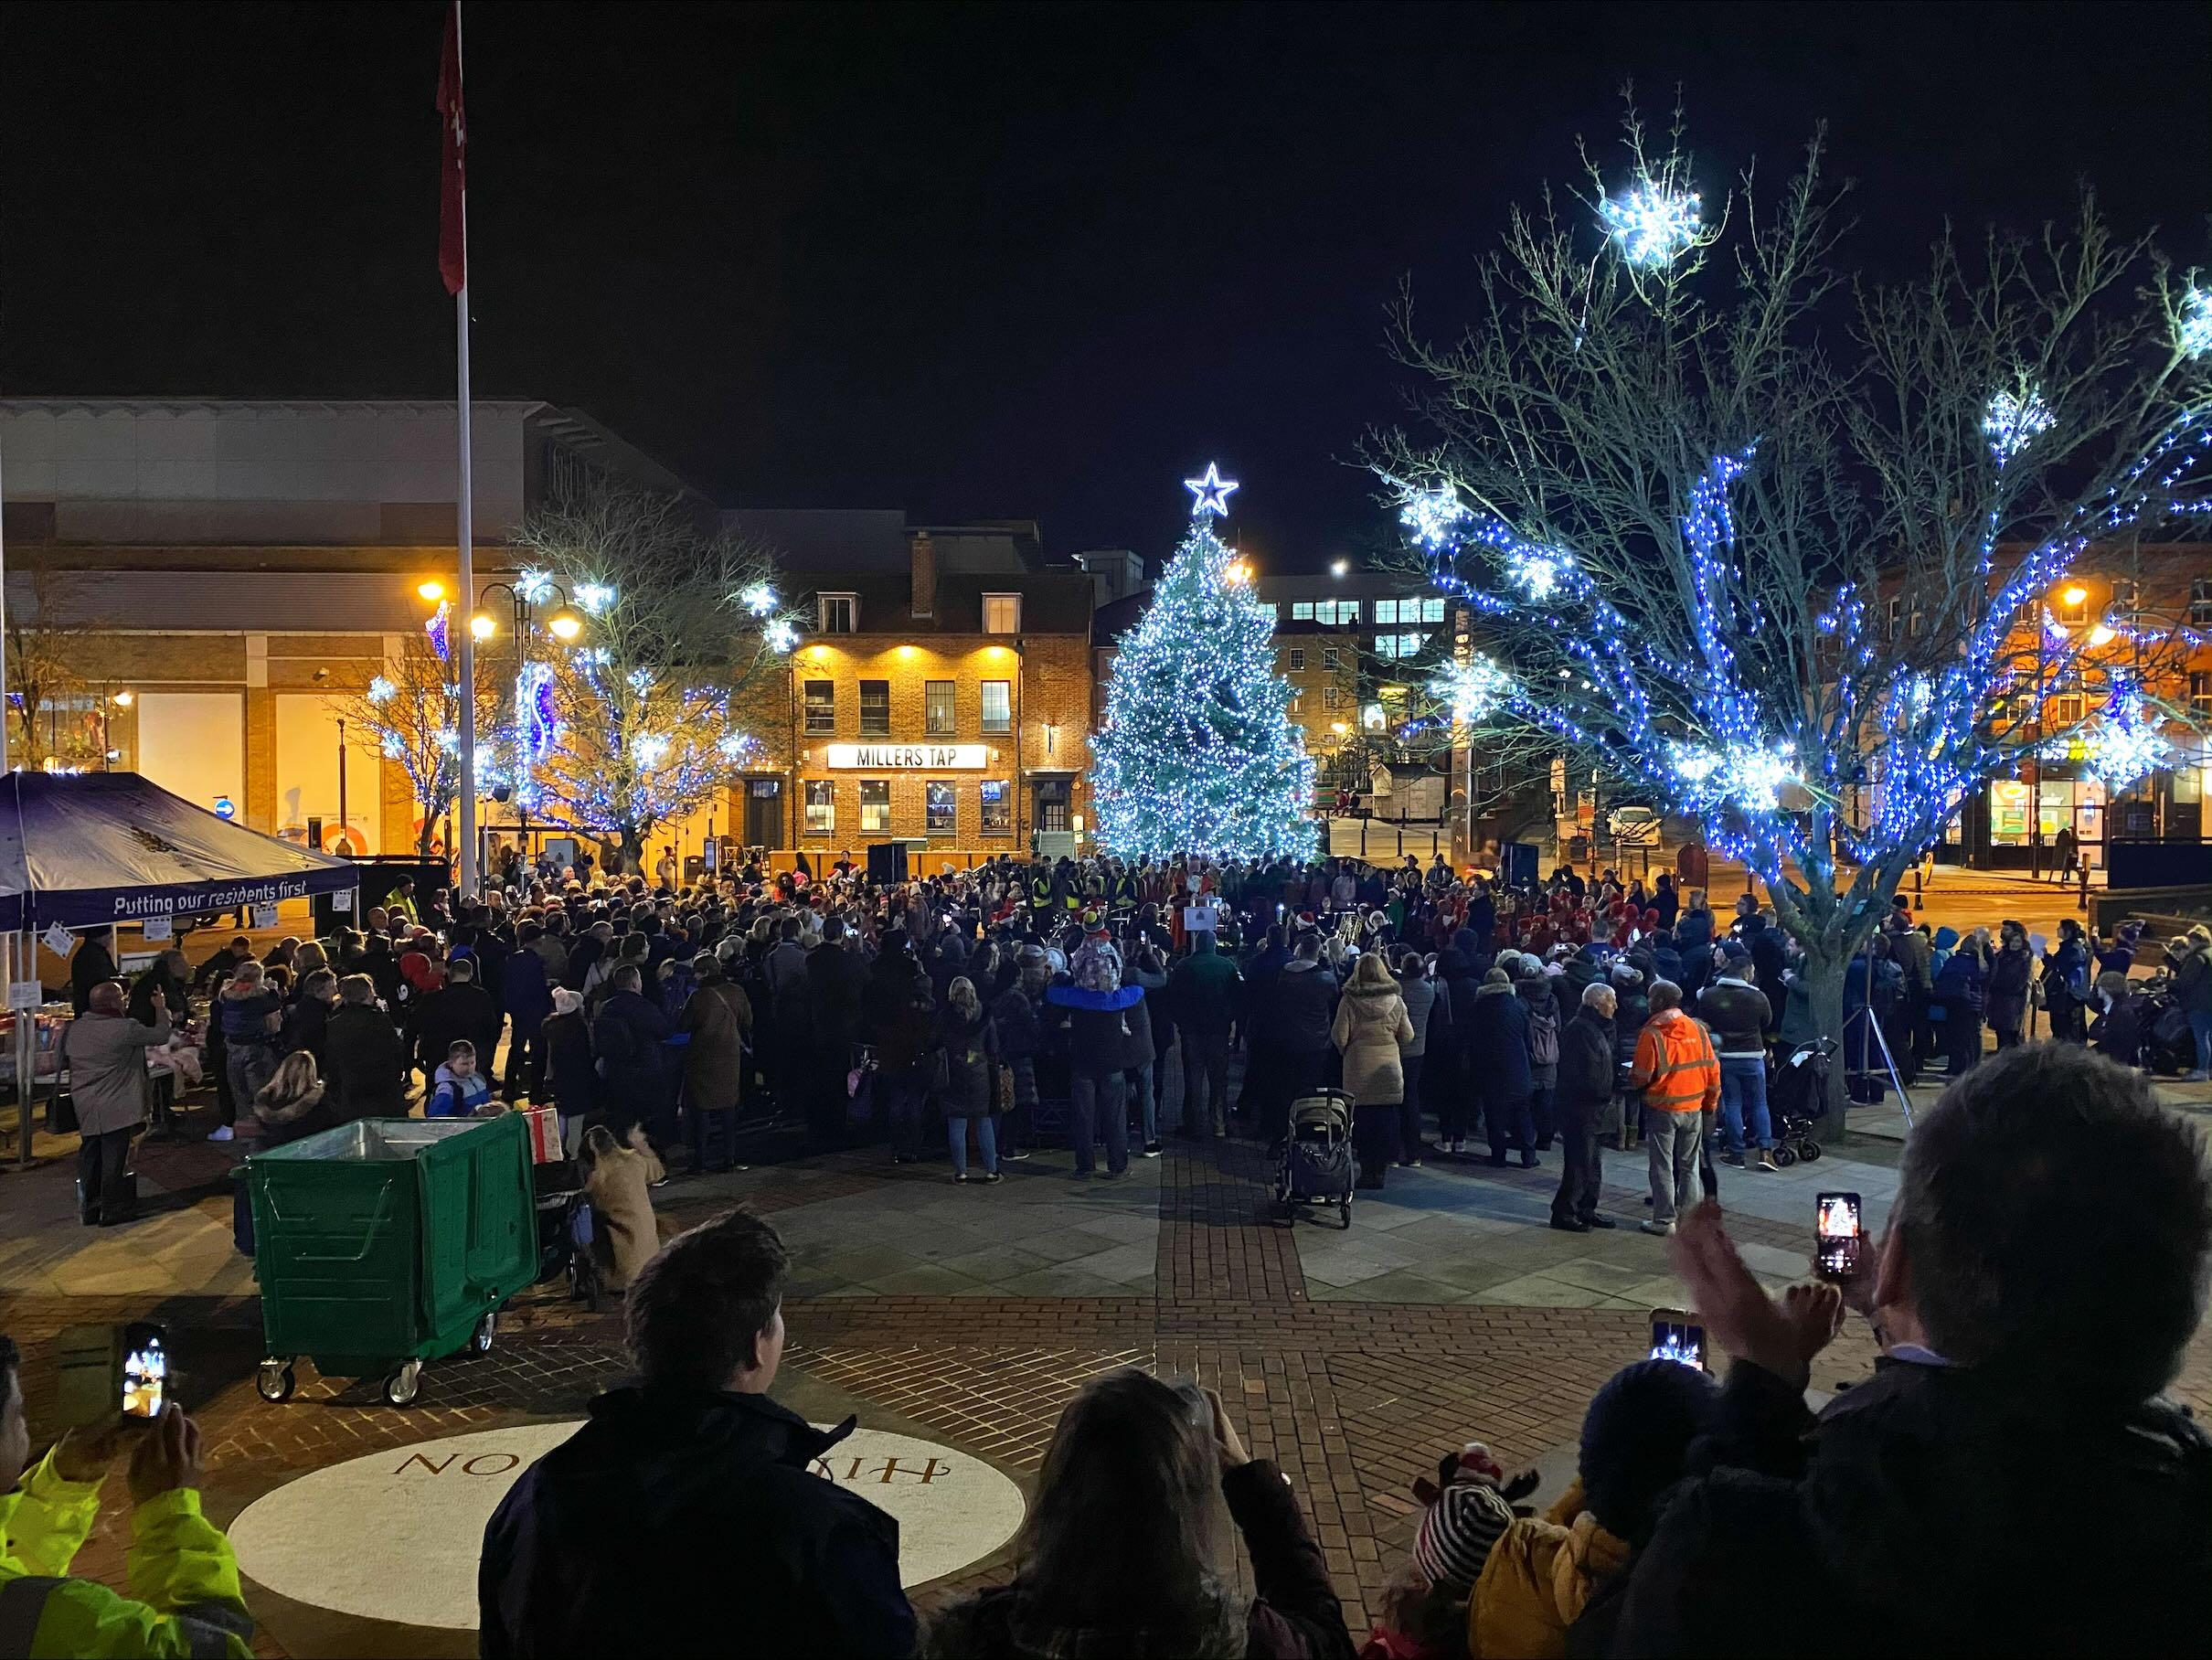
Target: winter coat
1107	1031
837	981
619	1188
1692	931
1020	1036
1739	1015
785	967
1461	984
1298	1012
571	1072
1631	1011
1421	994
89	966
668	1487
452	1097
1913	1514
971	1049
526	988
1913	953
716	1017
1369	1028
308	1028
899	1013
1157	1010
627	1038
364	1063
1540	1576
462	1009
2066	974
1296	1615
1960	984
1675	1068
2005	990
1204	988
288	1118
2192	985
1586	1064
1535	990
245	1019
1497	1045
106	1056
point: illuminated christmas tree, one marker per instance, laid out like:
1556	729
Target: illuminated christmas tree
1198	754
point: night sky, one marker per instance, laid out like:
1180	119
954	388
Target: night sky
973	263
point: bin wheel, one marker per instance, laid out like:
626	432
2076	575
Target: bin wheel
584	1281
480	1340
1784	1155
1808	1150
1343	1210
274	1381
401	1386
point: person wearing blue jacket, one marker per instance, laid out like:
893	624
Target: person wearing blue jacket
527	995
1961	988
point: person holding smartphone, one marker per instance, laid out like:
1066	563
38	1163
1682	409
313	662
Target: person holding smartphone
2043	1276
180	1563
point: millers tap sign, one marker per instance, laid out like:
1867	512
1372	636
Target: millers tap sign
908	757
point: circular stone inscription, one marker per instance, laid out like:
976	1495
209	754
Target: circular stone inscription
395	1536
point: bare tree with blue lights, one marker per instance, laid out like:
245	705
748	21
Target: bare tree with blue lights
1682	461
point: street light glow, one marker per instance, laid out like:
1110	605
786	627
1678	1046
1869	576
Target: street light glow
430	591
1340	567
482	626
565	625
124	698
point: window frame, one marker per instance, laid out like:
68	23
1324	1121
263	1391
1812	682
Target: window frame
1003	725
1332	659
2200	601
1294	660
931	726
824	712
884	730
881	807
851	604
1014	600
820	796
930	791
1006	805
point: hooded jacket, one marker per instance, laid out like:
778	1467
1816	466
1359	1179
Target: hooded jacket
1203	987
452	1097
1541	1575
1497	1043
287	1118
1298	1012
1917	1517
1370	1027
366	1063
672	1487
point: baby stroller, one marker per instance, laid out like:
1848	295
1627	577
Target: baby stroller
2169	1047
1317	1165
1797	1095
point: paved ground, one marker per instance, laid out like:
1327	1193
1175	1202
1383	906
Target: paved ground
970	1315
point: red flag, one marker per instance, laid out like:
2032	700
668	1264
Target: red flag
452	224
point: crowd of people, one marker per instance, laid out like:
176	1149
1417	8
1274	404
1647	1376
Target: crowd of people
2043	1276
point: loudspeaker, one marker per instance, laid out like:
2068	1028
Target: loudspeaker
887	863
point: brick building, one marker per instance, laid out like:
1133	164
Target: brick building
942	697
217	573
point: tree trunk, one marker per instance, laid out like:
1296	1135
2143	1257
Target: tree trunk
1823	976
630	851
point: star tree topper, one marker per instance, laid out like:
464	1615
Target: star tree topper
1212	492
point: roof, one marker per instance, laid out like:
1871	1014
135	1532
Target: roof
1053	602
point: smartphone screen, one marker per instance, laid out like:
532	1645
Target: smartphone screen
146	1369
1678	1337
1838	1223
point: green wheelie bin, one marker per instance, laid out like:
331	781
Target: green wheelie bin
389	1241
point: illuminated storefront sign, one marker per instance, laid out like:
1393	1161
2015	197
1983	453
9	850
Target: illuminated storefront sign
907	757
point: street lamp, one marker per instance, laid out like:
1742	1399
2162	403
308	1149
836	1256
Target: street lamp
430	591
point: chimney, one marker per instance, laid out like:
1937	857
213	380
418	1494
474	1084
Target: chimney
1116	573
925	573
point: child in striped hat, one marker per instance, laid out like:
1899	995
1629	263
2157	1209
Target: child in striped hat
1467	1507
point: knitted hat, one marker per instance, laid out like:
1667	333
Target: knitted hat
1094	921
1636	1437
1462	1522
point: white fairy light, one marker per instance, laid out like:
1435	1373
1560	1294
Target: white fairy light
1432	518
2014	421
1471	690
1212	493
1651	222
758	597
780	635
2195	337
595	597
382	690
533	587
650	749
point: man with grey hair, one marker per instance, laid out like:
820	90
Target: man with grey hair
1585	1098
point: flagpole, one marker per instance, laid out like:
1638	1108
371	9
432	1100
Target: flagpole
465	539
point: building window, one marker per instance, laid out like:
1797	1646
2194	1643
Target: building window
1002	613
1302	610
2069	610
937	806
1409	611
1386	611
1331	697
998	705
821	806
2200	601
2200	692
2070	706
998	807
937	707
1432	610
1897	616
840	612
1330	657
820	707
1297	659
875	803
1913	623
874	708
2126	598
1335	611
1399	646
1297	701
